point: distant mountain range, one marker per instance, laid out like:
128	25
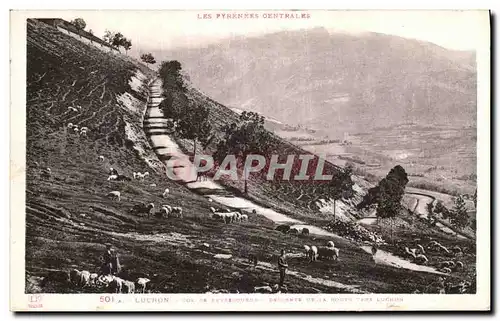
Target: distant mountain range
337	82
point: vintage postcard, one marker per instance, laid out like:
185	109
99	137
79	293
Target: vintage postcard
261	160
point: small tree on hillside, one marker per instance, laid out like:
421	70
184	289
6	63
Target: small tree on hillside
193	124
148	59
341	187
388	194
126	44
241	139
79	24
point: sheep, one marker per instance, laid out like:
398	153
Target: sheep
128	287
165	192
112	177
85	278
327	252
210	200
100	158
113	171
313	254
143	208
330	244
93	278
84	129
47	172
459	265
293	231
75	277
142	283
283	228
146	174
307	249
305	231
177	211
76	130
104	279
83	133
244	217
114	195
116	285
165	211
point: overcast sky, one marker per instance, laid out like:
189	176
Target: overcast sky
461	30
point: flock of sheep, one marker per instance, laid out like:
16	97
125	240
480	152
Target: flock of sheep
228	216
111	283
418	255
80	131
327	252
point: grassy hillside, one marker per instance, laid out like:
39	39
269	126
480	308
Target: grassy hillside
69	218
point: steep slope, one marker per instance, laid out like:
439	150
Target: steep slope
337	82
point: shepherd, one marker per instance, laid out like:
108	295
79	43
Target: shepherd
282	266
111	261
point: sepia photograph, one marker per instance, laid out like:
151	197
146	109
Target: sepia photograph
258	160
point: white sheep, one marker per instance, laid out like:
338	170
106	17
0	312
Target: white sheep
166	192
114	195
112	177
70	125
166	210
47	172
76	130
128	287
100	158
307	249
142	283
93	278
244	217
210	200
330	244
116	284
85	278
313	254
460	264
84	129
177	211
